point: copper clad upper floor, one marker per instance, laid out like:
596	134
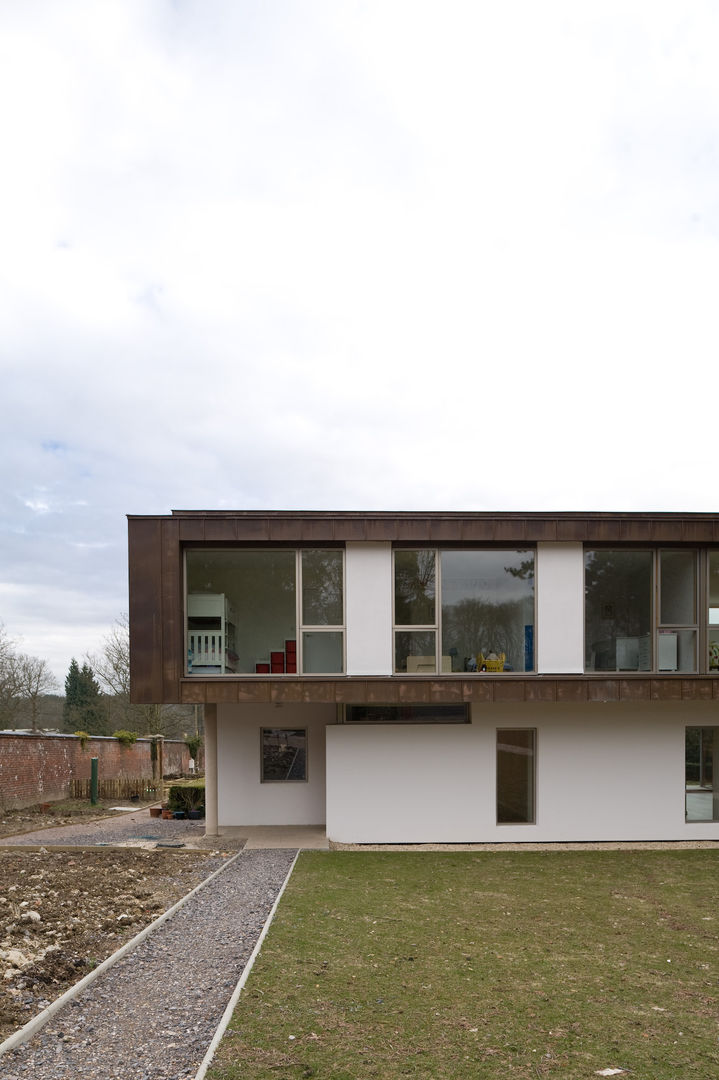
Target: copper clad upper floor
353	607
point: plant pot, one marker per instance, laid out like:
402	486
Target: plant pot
194	815
178	815
155	811
166	815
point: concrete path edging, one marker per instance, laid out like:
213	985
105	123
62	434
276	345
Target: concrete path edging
227	1015
33	1026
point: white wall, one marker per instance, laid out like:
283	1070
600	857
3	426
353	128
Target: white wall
604	772
242	798
368	591
560	608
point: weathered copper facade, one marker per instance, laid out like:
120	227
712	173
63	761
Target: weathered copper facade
156	545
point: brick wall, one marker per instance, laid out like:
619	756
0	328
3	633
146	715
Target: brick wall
38	768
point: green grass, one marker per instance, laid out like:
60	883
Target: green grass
446	965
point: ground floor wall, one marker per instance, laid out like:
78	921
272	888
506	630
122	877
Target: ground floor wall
604	771
242	797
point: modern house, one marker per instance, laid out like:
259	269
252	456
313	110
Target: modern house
440	677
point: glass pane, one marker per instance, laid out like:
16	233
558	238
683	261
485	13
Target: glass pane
677	650
488	610
322	588
714	588
414	651
678	584
515	777
284	755
414	585
322	653
258	588
702	801
407	714
618	606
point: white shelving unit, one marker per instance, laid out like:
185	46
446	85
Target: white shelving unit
210	635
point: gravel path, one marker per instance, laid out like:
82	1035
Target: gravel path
153	1014
122	829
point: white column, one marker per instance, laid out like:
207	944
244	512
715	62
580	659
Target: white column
210	770
368	589
560	608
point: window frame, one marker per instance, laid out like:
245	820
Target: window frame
500	731
300	627
656	627
436	627
286	780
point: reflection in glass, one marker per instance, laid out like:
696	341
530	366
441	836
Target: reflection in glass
702	800
414	588
678	587
488	609
322	587
515	776
259	590
322	652
414	651
284	755
618	607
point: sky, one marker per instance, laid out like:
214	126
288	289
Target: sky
345	254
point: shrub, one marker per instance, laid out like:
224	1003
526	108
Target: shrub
84	738
190	796
193	744
126	738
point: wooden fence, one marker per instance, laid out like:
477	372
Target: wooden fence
119	788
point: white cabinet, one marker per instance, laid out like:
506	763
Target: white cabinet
210	635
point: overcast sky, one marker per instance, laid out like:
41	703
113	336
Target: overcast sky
354	254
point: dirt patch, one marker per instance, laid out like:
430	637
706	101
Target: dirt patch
63	912
67	812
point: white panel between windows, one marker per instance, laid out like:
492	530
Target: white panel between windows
368	594
560	608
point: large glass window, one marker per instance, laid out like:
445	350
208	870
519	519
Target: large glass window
265	612
407	714
463	611
515	776
641	610
713	626
702	800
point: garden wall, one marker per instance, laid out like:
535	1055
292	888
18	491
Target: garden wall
38	768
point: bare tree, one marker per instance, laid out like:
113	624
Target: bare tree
9	681
34	679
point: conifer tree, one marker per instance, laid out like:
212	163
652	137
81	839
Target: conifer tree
83	709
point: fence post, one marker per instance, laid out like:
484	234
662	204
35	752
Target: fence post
93	780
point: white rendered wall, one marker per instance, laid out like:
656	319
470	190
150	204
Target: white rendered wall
242	798
604	772
368	592
560	608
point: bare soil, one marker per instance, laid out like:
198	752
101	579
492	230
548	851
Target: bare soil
64	911
46	816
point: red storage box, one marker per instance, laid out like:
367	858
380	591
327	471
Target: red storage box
291	648
291	665
262	669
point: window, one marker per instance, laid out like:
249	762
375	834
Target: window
702	801
641	610
515	776
713	622
407	714
284	755
463	611
265	612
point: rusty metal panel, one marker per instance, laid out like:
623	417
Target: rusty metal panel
352	529
382	692
571	690
513	530
635	689
222	692
508	690
351	692
603	690
173	628
318	691
476	531
572	529
253	692
146	611
318	532
191	529
192	692
220	530
381	529
666	690
451	692
284	691
252	530
477	690
542	529
540	690
696	689
413	691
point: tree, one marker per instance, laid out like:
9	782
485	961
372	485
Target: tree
83	710
34	680
112	668
9	689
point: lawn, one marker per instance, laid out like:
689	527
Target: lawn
428	964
